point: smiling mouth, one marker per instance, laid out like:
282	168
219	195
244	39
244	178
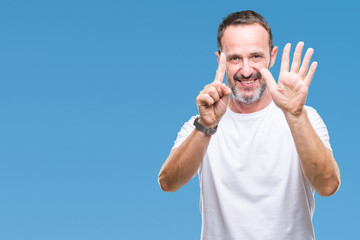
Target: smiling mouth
248	81
248	84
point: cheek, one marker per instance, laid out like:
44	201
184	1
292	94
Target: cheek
232	69
261	64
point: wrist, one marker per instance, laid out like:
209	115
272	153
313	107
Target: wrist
206	124
294	119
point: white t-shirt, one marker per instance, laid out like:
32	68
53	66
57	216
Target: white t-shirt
252	185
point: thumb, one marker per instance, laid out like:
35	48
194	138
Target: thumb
227	93
270	81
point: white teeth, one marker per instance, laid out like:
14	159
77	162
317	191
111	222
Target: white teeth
247	82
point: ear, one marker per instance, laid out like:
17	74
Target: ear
217	56
274	52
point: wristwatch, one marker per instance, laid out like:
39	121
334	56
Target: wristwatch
201	128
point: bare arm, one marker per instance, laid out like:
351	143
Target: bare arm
317	162
289	94
184	161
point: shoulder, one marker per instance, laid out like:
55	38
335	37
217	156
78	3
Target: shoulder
310	110
313	115
185	131
190	122
318	125
188	126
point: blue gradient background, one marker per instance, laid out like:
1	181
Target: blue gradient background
93	93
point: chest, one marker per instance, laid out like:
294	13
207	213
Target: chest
258	153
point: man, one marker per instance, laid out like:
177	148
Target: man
261	154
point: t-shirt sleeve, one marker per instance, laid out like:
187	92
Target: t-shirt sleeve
185	131
319	126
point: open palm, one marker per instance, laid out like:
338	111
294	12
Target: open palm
291	90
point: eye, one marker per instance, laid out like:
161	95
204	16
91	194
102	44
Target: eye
234	58
256	56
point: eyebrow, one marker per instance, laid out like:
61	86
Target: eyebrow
261	54
257	53
232	55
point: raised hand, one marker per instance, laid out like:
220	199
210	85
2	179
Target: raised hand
291	91
213	100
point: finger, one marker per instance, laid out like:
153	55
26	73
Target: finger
226	93
311	73
220	72
306	62
297	57
285	58
204	100
270	81
213	92
216	85
225	90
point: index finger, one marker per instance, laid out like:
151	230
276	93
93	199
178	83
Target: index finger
285	61
220	72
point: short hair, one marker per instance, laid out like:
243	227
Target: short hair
243	17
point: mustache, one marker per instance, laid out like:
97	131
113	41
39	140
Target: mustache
240	77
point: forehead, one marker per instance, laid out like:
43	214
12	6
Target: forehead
249	37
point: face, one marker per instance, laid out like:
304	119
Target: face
247	51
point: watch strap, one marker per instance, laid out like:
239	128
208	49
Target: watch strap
201	128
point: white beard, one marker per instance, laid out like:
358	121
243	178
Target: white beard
239	96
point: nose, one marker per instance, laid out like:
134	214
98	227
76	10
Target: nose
246	70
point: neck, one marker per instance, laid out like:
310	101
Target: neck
240	107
